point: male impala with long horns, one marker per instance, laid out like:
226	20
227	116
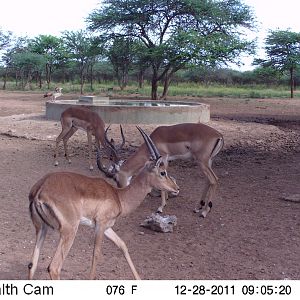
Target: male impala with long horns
182	141
63	200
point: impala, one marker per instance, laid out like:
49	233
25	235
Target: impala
74	118
63	200
57	93
182	141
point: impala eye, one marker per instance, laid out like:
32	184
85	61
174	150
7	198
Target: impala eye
163	173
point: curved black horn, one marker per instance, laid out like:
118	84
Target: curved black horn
123	138
101	167
107	140
151	146
110	146
110	143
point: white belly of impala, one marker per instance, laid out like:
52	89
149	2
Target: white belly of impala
128	180
186	155
87	222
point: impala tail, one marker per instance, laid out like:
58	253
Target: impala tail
42	213
218	147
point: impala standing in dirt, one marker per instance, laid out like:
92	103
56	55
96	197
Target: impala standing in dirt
57	93
182	141
63	200
74	118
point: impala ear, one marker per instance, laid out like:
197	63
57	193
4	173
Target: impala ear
150	164
159	162
162	161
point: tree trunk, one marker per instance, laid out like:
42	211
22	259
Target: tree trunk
29	81
81	84
141	78
16	78
124	78
292	81
5	79
63	75
40	81
154	85
166	86
48	76
81	78
92	81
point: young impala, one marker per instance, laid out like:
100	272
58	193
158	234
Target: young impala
63	200
182	141
74	118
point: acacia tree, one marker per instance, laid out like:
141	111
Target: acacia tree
283	53
121	56
27	64
83	49
50	47
174	31
6	39
16	46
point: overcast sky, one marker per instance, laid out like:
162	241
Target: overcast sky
34	17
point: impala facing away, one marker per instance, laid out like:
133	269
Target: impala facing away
74	118
64	200
182	141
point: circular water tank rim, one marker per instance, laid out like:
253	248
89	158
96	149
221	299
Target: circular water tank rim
115	101
137	114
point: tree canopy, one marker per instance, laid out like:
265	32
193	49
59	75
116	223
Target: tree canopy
175	33
51	48
283	53
5	38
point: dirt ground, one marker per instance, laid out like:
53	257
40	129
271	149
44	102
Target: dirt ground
251	232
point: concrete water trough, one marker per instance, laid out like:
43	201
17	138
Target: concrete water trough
135	111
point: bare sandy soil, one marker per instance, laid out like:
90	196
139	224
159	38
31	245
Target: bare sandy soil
251	232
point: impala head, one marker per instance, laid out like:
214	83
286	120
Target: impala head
157	167
112	151
158	176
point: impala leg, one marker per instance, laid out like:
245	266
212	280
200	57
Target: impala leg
121	244
67	236
97	253
201	203
208	205
209	190
164	195
90	142
41	231
164	198
65	141
64	132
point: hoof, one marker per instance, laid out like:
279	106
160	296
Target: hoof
196	210
56	163
203	214
173	194
91	168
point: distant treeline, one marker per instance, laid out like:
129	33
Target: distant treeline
103	73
